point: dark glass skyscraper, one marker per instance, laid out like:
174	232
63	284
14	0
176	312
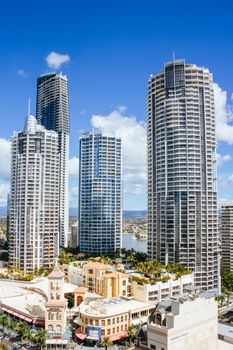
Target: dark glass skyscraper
52	112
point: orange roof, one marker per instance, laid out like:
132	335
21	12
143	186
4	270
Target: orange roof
96	265
81	289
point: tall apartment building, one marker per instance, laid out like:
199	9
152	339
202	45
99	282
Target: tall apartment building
100	193
52	112
227	236
182	194
34	209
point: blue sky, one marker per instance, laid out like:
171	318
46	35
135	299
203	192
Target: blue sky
113	47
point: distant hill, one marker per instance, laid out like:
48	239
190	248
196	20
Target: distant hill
73	212
134	214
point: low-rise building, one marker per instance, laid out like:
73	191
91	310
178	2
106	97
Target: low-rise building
99	278
188	323
107	281
156	292
111	317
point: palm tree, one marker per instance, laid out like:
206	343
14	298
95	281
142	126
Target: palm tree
131	333
3	321
41	337
106	342
22	329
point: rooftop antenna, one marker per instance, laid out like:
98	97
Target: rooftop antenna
29	106
173	56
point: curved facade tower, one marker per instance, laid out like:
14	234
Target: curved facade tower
34	209
52	112
182	197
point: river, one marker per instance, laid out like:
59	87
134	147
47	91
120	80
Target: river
136	244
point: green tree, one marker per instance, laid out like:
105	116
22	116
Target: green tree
22	329
3	321
132	333
106	342
41	337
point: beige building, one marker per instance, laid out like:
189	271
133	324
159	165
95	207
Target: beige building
55	310
105	281
111	317
187	323
99	278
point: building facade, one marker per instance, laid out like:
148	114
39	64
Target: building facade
34	210
187	323
74	235
159	291
55	311
100	193
111	317
227	236
182	194
52	111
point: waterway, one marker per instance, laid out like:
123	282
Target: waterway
136	244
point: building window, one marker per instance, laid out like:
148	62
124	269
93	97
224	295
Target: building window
109	322
50	328
122	318
102	322
58	328
108	331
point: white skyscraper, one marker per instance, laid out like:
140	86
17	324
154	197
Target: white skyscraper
52	111
227	236
100	193
182	197
34	208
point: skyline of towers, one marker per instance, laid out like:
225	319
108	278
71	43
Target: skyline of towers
34	210
100	193
182	195
52	111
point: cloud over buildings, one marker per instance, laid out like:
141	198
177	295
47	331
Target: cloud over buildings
56	60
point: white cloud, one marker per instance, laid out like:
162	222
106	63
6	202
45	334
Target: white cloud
73	197
5	159
73	166
4	190
133	135
122	109
55	60
21	73
221	159
230	179
224	201
224	116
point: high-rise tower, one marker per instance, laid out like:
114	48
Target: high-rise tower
34	210
182	197
52	112
100	193
227	236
